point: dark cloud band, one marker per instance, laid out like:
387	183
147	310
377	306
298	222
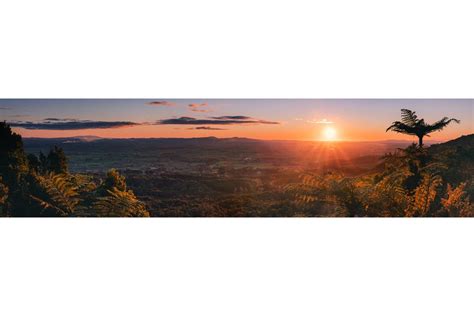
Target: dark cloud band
61	124
208	128
220	120
232	117
161	103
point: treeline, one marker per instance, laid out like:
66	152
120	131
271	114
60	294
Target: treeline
35	186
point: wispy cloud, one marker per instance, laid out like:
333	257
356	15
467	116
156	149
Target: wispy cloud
161	103
55	119
208	128
323	121
218	120
70	124
18	115
199	107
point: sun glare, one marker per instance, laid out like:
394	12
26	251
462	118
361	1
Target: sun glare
329	134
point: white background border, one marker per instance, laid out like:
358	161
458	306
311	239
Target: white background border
236	49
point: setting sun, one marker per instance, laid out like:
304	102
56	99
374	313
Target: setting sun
235	158
329	134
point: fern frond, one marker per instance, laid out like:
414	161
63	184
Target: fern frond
60	193
409	117
425	194
120	204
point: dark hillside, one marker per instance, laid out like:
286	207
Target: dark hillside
466	142
458	157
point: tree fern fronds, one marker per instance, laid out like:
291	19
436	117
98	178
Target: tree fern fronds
412	125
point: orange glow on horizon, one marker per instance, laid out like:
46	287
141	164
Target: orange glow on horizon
352	131
267	119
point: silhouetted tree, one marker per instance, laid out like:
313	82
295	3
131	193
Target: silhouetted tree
57	160
43	162
34	163
13	170
412	125
13	162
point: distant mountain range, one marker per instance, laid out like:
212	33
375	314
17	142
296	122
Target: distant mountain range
92	138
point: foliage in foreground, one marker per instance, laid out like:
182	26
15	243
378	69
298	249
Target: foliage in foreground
42	186
412	183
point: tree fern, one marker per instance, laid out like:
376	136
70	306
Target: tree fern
412	125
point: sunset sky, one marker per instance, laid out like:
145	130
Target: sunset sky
297	119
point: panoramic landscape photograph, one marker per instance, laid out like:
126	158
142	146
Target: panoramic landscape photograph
236	157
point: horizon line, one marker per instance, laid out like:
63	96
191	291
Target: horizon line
248	138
